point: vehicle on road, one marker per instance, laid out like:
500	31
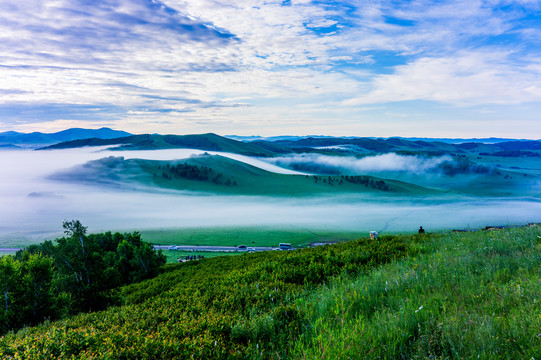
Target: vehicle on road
285	246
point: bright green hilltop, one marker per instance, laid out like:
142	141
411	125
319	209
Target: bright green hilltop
433	296
218	174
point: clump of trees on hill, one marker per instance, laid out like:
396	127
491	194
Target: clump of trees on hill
354	179
461	165
366	181
195	172
71	275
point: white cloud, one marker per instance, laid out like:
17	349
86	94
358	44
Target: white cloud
465	79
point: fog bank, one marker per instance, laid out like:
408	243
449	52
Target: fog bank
324	164
32	207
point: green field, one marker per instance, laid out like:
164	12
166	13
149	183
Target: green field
249	236
173	255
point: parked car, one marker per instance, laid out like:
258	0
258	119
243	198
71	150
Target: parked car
242	248
285	246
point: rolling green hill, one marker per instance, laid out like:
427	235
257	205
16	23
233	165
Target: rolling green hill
209	142
218	174
432	296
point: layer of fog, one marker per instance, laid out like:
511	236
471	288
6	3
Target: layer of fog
32	207
322	164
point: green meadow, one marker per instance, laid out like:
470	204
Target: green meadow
172	256
472	295
250	236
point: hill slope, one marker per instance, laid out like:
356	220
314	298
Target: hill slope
472	295
209	142
218	174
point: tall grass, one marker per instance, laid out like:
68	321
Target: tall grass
467	296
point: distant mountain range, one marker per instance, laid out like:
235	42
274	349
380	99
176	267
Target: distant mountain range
248	145
491	140
13	139
323	145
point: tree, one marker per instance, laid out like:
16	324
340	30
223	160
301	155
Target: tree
38	300
74	228
81	267
48	280
10	270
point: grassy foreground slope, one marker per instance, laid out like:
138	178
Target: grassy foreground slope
440	296
469	296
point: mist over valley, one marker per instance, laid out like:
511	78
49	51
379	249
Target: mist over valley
119	189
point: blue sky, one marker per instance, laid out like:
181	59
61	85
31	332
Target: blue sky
359	68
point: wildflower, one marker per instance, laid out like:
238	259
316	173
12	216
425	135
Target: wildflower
420	307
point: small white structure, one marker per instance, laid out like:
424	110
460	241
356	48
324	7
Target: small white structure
373	234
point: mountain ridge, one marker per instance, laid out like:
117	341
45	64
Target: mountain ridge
327	145
36	139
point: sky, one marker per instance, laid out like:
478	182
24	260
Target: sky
418	68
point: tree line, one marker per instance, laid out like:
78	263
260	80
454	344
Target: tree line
354	179
73	274
195	172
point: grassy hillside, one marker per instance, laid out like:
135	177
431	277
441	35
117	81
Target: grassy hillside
468	296
217	174
210	142
437	296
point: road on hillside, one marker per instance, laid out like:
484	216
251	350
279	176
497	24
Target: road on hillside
9	249
211	248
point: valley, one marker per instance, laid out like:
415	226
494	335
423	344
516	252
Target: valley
319	184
